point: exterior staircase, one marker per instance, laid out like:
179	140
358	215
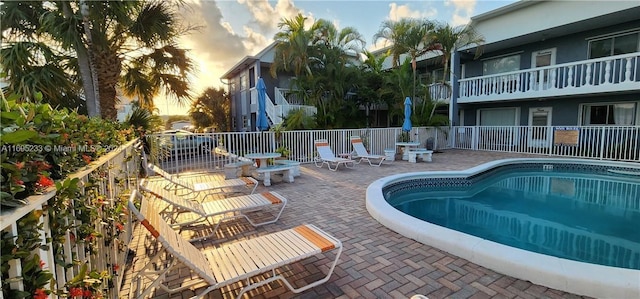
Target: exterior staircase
279	108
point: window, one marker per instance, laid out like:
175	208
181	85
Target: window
252	77
243	82
621	114
614	45
501	65
498	117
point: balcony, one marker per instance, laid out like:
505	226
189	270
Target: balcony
618	73
440	92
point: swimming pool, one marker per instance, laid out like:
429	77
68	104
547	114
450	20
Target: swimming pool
597	258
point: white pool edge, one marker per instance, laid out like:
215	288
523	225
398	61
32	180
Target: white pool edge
562	274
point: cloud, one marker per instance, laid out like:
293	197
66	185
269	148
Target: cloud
215	47
463	11
266	17
397	12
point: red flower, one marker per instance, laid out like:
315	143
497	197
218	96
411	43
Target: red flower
120	226
40	294
44	181
86	159
42	264
116	267
19	165
75	292
90	237
87	294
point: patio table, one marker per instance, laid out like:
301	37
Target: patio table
262	157
406	147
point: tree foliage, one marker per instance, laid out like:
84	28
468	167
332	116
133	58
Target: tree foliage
212	109
76	50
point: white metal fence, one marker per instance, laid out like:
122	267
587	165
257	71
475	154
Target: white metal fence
110	176
176	157
595	142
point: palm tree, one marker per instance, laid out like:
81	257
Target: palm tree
348	41
111	44
413	37
393	33
450	39
292	48
321	58
212	108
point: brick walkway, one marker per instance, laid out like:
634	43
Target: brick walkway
376	262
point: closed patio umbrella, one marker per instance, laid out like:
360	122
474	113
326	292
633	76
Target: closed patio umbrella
406	125
262	123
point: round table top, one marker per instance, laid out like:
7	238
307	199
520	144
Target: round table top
411	143
262	155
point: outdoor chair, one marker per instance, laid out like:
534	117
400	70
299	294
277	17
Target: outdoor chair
326	156
217	211
187	188
363	155
248	260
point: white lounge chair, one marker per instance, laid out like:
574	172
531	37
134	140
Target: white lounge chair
326	156
363	154
189	188
248	260
216	211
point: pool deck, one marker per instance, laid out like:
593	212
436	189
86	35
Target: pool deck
376	262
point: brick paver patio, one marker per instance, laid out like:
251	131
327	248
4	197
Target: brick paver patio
376	262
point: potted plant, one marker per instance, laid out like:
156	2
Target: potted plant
284	152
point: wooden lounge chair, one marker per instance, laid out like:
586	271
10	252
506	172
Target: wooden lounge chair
246	260
363	154
326	156
188	188
217	211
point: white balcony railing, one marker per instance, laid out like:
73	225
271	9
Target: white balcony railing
440	92
608	74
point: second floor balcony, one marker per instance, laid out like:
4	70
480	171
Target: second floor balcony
620	73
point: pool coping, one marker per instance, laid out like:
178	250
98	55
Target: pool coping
562	274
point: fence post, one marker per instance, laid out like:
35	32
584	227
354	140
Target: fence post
474	138
602	139
453	134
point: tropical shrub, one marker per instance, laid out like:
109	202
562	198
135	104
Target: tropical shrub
41	147
40	144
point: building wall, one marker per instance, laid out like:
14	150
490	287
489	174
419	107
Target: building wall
565	111
569	48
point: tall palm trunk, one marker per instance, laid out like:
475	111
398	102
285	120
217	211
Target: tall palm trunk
84	66
108	68
84	10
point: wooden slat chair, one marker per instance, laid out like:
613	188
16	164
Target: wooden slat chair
192	190
326	156
232	262
363	154
217	211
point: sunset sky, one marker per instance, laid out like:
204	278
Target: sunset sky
233	29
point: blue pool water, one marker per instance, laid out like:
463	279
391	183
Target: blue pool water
575	214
